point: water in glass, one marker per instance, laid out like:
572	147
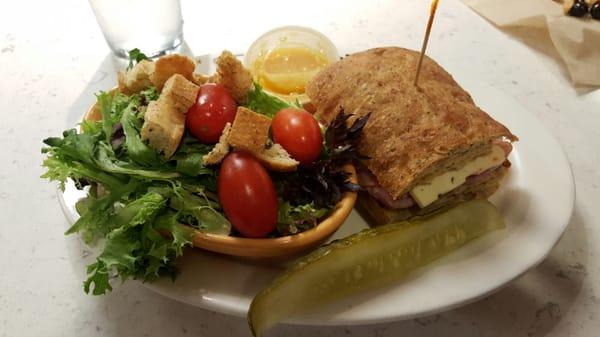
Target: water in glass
153	26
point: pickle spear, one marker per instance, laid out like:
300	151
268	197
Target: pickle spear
368	259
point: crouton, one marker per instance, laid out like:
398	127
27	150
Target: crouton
167	66
163	127
250	131
200	79
233	76
276	158
137	78
181	92
221	149
164	119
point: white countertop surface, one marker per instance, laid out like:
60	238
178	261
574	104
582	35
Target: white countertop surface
53	58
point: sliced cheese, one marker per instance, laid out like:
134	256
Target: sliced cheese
427	193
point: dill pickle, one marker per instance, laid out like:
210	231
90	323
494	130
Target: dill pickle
368	259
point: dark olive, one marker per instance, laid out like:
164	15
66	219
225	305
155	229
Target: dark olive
595	10
579	9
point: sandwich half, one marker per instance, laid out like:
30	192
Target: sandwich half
429	147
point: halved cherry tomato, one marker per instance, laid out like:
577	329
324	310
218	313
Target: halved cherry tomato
248	195
213	109
299	134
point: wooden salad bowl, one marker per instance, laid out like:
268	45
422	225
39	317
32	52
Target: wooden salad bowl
271	249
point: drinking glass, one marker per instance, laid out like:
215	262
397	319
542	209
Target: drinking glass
152	26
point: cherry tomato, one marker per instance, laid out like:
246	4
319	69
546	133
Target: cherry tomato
213	109
247	195
299	134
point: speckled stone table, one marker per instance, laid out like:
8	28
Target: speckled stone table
53	58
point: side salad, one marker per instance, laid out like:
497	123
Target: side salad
143	206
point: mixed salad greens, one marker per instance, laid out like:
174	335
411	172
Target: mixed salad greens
134	195
144	208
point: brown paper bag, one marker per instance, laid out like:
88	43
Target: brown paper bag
542	25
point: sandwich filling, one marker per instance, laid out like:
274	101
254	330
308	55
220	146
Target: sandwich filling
429	191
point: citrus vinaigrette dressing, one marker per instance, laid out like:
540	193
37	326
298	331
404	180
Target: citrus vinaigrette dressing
285	70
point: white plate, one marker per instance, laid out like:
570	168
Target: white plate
536	199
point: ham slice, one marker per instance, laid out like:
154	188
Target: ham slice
369	182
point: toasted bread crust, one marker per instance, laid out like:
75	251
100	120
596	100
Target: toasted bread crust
163	127
233	76
168	65
250	131
277	159
221	149
156	73
164	120
411	130
200	79
181	92
137	78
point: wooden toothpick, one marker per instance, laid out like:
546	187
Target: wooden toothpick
434	4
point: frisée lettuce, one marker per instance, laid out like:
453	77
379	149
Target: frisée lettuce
136	200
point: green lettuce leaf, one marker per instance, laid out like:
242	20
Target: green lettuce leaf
107	161
149	94
135	56
61	169
295	219
84	150
96	222
91	127
73	146
180	234
112	106
136	149
266	104
189	157
201	213
143	245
